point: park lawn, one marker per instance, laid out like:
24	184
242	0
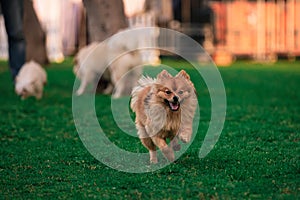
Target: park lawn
256	157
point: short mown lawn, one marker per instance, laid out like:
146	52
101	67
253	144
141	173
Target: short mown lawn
256	157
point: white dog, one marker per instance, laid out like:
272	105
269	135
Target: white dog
90	62
30	80
125	72
97	60
116	54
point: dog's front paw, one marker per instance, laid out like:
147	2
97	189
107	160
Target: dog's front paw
153	161
174	144
184	137
176	147
39	95
169	153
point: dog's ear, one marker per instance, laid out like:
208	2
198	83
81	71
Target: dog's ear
163	75
183	74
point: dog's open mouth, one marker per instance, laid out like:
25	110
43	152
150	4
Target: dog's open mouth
174	106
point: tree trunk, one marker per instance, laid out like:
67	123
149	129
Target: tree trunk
104	18
82	32
35	37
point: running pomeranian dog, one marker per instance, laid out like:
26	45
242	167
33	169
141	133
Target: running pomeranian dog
164	109
30	80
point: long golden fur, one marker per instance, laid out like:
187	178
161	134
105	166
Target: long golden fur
164	109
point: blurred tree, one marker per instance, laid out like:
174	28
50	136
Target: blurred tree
162	10
104	18
35	36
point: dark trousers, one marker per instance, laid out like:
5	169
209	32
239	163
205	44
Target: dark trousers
12	11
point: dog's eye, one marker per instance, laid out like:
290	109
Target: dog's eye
180	92
168	92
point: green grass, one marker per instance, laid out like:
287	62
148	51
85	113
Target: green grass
256	157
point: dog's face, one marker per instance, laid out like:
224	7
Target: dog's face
172	91
167	97
24	90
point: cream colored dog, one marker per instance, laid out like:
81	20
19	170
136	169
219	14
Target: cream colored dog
125	72
30	80
110	62
89	64
114	60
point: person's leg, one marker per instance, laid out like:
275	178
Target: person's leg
13	16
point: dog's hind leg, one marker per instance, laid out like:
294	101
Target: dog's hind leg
147	142
108	89
162	145
38	90
82	87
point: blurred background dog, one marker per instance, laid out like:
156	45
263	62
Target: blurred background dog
30	80
96	63
115	62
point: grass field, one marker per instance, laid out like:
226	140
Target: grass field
256	157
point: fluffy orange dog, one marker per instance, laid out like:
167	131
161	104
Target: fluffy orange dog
165	109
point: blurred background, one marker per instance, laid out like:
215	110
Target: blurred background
228	30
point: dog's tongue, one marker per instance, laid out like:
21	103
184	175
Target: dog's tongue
174	106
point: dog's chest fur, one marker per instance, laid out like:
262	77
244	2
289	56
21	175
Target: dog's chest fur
173	121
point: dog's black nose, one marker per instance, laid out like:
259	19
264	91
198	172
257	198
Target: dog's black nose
175	98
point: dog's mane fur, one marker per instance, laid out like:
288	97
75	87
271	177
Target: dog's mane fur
144	81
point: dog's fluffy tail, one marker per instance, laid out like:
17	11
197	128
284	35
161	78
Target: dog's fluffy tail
143	82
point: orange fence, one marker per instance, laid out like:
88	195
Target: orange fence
259	29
